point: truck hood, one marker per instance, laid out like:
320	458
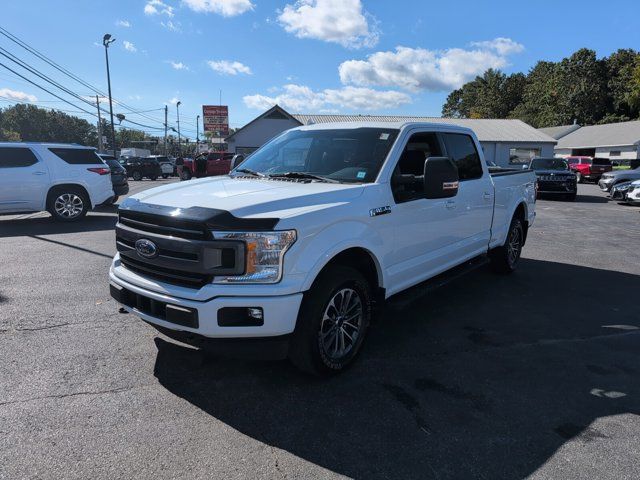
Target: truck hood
250	198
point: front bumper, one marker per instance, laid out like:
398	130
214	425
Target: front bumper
605	186
280	312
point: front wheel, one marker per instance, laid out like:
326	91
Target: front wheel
332	323
137	175
505	259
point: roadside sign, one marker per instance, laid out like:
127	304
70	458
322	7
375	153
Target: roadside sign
216	119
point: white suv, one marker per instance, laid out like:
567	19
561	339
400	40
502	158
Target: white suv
66	180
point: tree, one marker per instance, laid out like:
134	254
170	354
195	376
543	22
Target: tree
620	67
33	124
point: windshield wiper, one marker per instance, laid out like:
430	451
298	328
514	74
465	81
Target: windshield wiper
248	171
303	176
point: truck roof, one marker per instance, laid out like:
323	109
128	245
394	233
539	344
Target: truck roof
392	125
43	144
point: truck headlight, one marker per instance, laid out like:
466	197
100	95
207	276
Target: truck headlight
264	255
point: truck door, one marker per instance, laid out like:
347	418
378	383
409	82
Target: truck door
423	231
473	205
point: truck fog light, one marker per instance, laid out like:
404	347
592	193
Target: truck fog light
240	317
255	313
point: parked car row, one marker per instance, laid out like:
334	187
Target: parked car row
208	164
622	185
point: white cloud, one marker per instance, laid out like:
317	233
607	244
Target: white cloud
225	67
299	98
338	21
129	47
226	8
416	69
173	101
157	7
17	95
172	26
504	46
123	23
177	65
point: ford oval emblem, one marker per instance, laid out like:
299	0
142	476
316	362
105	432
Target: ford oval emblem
146	248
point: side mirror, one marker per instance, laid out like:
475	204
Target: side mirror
440	178
525	166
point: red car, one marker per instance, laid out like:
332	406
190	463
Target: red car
206	164
589	168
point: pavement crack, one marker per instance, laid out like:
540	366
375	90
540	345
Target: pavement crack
67	395
44	327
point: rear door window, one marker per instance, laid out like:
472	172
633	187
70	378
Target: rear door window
77	156
16	157
462	150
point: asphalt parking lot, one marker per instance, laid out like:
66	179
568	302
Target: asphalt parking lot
531	375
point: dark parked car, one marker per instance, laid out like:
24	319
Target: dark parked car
554	177
118	176
138	168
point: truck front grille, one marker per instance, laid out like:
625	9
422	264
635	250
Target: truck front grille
186	253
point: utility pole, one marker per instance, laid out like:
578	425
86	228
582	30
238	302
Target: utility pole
99	125
166	110
178	113
197	133
106	41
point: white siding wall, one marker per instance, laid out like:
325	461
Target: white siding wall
626	153
501	155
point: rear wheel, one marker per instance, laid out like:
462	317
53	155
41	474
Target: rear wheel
137	175
114	199
153	177
505	259
67	204
186	174
165	176
332	323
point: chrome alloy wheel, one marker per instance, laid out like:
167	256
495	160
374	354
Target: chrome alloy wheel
341	324
514	246
68	205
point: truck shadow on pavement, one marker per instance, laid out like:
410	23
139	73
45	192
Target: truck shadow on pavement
487	377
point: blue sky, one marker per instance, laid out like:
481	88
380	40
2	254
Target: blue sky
346	56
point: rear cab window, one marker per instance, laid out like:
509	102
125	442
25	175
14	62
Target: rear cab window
77	156
462	150
16	157
601	161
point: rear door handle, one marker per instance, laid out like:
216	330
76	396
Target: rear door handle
450	204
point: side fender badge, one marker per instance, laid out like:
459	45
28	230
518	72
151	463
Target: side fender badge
374	212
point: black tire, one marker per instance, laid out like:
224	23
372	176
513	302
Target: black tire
579	177
67	204
571	197
153	177
165	176
186	175
136	175
315	353
505	259
114	200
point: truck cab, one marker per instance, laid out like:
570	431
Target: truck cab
296	248
206	164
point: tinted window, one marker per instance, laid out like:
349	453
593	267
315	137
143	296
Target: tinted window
77	156
12	157
548	164
601	161
113	164
462	151
411	163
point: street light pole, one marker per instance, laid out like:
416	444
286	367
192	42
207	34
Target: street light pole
106	41
178	113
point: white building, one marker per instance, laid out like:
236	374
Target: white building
616	141
505	142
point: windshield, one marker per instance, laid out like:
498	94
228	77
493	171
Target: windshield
548	164
350	155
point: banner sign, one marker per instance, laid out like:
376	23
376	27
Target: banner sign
216	119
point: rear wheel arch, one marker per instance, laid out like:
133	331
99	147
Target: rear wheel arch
70	186
521	212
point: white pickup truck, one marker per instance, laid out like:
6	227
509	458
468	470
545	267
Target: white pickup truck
292	251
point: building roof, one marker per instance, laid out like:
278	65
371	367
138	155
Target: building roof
487	130
276	112
559	132
608	135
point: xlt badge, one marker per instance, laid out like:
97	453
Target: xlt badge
374	212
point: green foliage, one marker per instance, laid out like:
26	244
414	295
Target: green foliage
580	87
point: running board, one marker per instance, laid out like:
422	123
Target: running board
403	299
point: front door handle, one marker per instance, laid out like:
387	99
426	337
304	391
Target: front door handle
486	195
450	204
39	173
